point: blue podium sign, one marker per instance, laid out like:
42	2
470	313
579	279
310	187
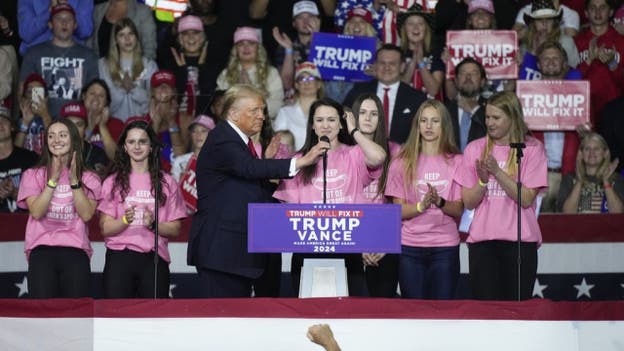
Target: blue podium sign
330	228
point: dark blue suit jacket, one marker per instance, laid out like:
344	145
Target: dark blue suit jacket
406	104
229	178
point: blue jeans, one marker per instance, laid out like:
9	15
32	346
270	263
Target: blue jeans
429	272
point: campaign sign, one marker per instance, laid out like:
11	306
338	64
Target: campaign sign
329	228
342	57
554	104
495	49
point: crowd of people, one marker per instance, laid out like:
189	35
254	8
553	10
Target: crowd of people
108	113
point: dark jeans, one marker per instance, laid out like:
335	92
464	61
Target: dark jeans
429	272
382	280
494	272
130	274
58	272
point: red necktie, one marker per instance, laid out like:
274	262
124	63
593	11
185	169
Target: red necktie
252	148
386	107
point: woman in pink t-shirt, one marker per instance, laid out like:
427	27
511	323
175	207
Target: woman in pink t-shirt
61	196
381	270
127	216
422	180
488	181
349	170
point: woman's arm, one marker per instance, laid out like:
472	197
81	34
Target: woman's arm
570	204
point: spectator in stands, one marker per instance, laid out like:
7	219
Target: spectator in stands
127	216
8	25
561	147
107	14
342	14
183	167
322	334
543	26
249	64
569	21
13	162
35	116
601	49
33	17
127	72
381	269
65	65
306	20
61	196
488	180
400	101
423	180
93	157
195	72
9	72
309	88
102	129
216	105
425	69
595	187
618	20
468	112
352	167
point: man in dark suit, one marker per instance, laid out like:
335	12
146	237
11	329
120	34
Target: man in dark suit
229	176
398	98
468	111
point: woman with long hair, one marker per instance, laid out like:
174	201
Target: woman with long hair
425	69
61	196
595	187
249	64
127	72
127	216
488	179
381	270
349	168
422	180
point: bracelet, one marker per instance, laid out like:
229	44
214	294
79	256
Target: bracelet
174	130
124	220
442	202
23	128
288	51
419	206
607	185
422	64
613	64
353	132
76	186
482	184
51	184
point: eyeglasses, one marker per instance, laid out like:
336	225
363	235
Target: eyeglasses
140	142
306	79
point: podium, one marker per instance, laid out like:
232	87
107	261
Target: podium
324	229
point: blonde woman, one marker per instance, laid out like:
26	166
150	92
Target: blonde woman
422	179
248	64
595	187
127	72
488	178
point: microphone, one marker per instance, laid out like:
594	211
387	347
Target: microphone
517	145
325	139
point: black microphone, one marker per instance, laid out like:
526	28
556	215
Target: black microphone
325	139
517	145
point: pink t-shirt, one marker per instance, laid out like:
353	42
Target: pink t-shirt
495	217
61	226
370	191
433	228
136	236
347	175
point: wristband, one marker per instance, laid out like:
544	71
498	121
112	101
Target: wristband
352	134
613	64
76	186
288	51
442	202
422	64
419	208
174	130
124	220
23	128
51	184
482	184
607	185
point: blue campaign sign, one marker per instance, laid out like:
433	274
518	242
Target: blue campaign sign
342	57
330	228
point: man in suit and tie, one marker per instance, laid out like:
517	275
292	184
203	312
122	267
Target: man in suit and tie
229	176
468	112
400	101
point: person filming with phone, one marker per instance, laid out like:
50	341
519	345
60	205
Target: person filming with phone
35	116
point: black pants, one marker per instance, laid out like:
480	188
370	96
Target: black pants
353	262
494	272
382	280
58	272
130	274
